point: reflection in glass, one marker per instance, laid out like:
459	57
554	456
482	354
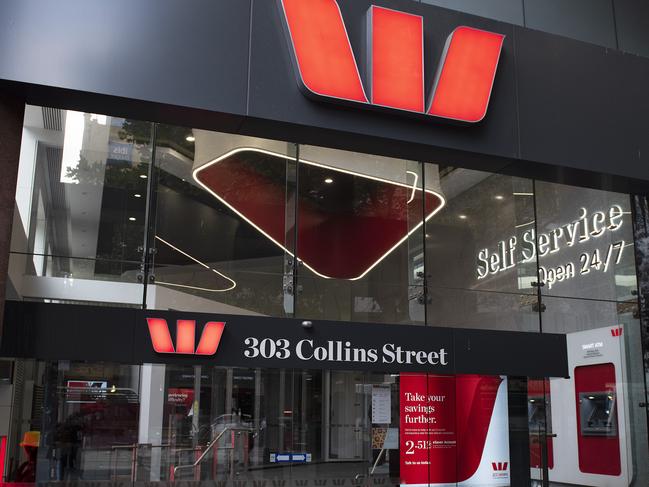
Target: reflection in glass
348	221
81	195
585	243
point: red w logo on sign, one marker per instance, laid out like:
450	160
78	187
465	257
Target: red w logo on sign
499	466
185	337
616	332
327	67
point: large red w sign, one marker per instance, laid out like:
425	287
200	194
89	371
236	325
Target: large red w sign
327	67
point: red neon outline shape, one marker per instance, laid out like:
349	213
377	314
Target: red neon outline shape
232	152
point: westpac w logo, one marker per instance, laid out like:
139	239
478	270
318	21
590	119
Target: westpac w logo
327	68
185	337
499	466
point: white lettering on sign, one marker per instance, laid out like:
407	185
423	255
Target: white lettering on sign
587	227
340	351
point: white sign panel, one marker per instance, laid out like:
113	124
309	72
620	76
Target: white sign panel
381	405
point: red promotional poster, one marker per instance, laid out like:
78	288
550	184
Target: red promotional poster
453	429
427	429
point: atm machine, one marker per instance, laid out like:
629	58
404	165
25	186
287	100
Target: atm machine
591	439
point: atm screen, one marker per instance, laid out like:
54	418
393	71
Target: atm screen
597	413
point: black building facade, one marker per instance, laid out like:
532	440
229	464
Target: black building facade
321	242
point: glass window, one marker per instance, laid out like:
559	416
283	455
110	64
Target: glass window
224	223
150	423
360	235
233	224
81	204
585	243
478	264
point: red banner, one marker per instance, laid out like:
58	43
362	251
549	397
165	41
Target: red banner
427	432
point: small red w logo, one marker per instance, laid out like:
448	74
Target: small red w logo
499	466
616	332
185	337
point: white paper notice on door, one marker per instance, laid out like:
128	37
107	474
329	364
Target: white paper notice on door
381	405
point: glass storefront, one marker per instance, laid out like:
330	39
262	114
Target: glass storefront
107	422
123	212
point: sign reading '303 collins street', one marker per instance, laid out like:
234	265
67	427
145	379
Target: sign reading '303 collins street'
327	346
136	336
251	341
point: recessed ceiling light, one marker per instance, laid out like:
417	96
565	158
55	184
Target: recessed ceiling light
329	180
190	138
462	217
132	218
143	176
499	197
137	195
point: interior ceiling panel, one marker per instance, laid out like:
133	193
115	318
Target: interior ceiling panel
52	119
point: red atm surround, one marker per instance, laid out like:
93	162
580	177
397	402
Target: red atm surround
597	454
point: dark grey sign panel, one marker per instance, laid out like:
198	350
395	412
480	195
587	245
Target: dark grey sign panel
560	109
75	332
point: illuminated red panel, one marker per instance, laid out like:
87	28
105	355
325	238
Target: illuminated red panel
397	59
324	56
345	228
3	455
466	75
210	338
185	336
160	336
597	454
